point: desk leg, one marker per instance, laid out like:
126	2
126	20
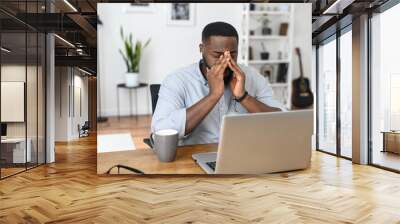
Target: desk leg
136	106
119	116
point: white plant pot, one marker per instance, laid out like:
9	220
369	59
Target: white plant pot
131	79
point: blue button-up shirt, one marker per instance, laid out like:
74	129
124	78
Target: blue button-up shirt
186	86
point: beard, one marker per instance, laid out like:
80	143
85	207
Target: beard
228	73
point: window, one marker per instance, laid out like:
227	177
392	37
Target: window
385	89
327	97
346	94
333	137
22	78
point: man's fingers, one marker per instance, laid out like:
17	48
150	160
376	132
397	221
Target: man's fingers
219	61
231	65
233	62
236	71
221	68
227	54
221	64
217	67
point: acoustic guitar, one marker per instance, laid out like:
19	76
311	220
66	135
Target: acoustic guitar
302	96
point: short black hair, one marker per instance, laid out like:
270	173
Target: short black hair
219	29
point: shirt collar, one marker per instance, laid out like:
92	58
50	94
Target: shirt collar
200	75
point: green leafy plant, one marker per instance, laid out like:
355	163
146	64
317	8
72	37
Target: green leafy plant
132	53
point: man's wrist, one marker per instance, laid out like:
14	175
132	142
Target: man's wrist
239	95
242	97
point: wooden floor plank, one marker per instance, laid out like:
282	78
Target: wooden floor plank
333	190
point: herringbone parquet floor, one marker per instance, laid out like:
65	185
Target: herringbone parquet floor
332	191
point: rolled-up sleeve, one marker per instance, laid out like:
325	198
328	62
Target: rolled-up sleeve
265	94
170	112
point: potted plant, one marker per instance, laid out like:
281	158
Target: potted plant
131	55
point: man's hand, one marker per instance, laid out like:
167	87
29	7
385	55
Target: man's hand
238	89
237	83
215	77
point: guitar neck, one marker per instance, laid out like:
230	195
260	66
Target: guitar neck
300	62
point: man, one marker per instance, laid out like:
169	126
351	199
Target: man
194	99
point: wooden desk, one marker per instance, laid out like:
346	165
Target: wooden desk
14	151
146	161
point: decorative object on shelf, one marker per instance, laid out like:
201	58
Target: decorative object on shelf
283	29
132	55
282	73
251	53
279	55
252	7
302	96
265	29
251	32
267	71
181	14
264	54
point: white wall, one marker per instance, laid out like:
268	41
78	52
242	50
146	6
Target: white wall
61	103
12	73
68	84
33	126
171	47
79	117
303	40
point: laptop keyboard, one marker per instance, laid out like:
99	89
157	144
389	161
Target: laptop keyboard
211	165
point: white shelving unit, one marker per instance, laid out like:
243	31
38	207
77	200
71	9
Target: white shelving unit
277	14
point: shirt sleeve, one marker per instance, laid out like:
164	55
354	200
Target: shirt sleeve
170	111
264	92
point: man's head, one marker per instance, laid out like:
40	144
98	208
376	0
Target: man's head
218	37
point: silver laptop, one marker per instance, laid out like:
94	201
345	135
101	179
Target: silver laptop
261	143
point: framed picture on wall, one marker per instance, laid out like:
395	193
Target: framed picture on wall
139	7
181	14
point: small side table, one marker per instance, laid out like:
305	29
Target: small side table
391	141
130	89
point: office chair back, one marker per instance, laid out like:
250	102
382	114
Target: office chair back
154	89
